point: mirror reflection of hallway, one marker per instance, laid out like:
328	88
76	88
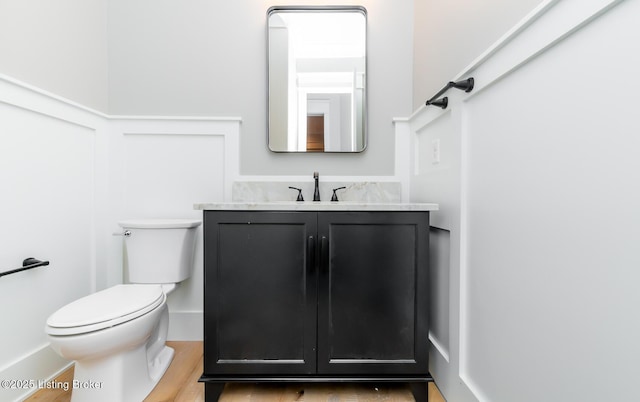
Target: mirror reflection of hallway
315	133
317	65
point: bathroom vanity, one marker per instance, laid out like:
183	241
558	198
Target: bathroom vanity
316	291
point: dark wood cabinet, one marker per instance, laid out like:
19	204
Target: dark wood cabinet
260	294
315	296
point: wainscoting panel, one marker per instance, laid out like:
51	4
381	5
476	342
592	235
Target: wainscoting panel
535	259
48	211
439	249
540	209
162	166
68	174
165	173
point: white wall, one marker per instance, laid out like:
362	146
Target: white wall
209	58
198	58
59	46
448	35
539	211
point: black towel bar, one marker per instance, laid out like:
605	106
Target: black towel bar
28	263
466	85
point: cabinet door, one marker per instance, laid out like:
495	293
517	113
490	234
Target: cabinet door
260	293
373	311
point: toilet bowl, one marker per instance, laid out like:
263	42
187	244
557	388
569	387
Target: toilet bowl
117	336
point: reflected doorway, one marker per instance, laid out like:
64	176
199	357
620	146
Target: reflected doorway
315	133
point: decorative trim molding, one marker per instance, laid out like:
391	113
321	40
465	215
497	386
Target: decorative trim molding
550	23
227	128
42	93
5	79
439	347
175	118
37	366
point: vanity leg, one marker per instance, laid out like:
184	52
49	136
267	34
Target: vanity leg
212	391
420	391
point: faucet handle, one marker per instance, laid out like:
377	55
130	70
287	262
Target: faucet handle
299	193
334	197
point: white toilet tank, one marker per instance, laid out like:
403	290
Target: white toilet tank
159	250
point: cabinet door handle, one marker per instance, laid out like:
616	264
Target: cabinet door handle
311	250
324	252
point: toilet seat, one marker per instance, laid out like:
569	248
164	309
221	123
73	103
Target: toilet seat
104	309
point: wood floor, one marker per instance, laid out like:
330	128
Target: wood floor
180	384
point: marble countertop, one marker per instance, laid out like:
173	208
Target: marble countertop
314	206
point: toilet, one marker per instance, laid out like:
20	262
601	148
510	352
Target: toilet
117	336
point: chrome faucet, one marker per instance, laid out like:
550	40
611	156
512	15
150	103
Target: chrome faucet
316	192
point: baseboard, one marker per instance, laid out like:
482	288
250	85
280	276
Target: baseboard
185	326
30	373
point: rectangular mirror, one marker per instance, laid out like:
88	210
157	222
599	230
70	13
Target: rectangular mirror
317	78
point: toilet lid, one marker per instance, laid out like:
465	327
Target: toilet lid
106	308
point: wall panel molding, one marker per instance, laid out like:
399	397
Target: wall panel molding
93	139
452	182
52	177
227	129
546	26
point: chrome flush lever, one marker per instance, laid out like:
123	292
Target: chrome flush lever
126	233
